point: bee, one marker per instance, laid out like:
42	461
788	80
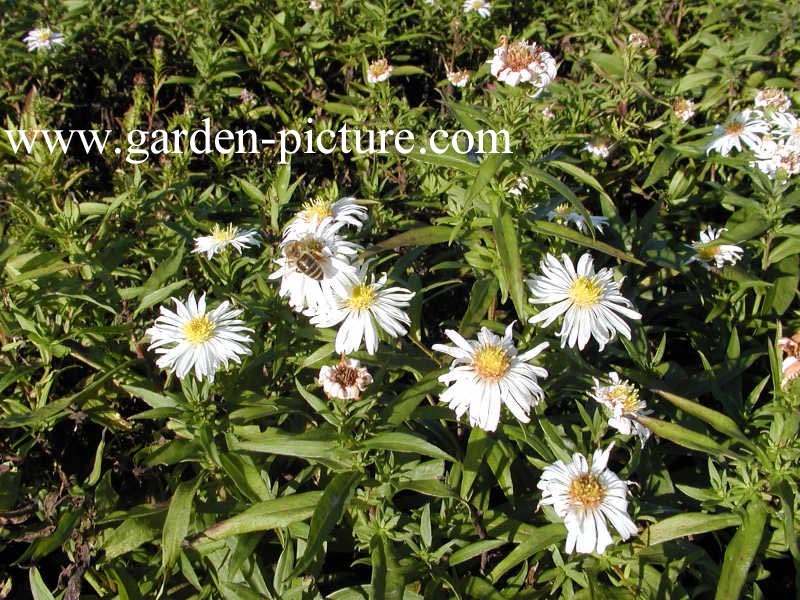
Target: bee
304	258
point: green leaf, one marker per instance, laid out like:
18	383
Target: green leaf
741	552
486	172
505	234
176	527
472	550
270	514
132	533
717	420
570	235
405	442
477	445
418	236
685	524
483	294
478	587
39	590
318	445
328	512
387	578
541	538
685	437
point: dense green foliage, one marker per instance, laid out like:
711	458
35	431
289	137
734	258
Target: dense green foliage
118	480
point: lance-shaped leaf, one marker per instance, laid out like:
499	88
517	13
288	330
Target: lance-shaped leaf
741	551
685	437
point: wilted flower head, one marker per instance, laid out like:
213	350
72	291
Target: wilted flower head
379	70
43	38
345	380
683	108
622	398
458	78
773	98
791	363
638	40
522	62
481	7
708	249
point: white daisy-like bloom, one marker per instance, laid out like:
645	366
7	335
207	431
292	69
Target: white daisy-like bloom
745	127
683	108
379	70
786	127
314	265
486	374
708	249
314	4
773	98
345	380
364	306
638	40
190	338
622	398
43	38
481	7
597	148
585	496
790	366
346	211
563	212
222	238
458	78
523	62
777	158
519	186
590	302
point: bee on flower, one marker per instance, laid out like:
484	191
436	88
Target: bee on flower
523	62
222	238
43	38
585	495
708	249
622	398
487	373
379	70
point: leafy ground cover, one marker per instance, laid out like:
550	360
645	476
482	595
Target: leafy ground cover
624	423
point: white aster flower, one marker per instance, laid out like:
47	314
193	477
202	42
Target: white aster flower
190	338
43	38
346	211
481	7
683	108
523	61
585	496
379	70
222	238
345	380
314	4
458	78
744	127
363	307
486	374
598	148
786	127
548	113
590	302
773	98
622	398
314	265
790	367
564	212
708	249
519	186
774	158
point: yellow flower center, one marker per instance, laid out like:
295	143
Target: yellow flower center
317	210
379	68
44	35
734	128
198	330
362	297
476	4
707	251
562	209
585	292
491	362
586	491
624	395
223	235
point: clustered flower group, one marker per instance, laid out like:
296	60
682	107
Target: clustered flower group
769	130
